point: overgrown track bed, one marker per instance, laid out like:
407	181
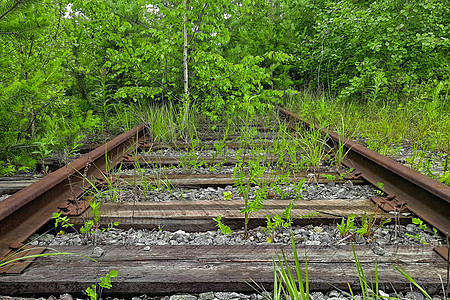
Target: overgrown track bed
425	197
165	199
31	208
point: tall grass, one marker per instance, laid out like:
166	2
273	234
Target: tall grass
167	123
297	287
420	118
285	283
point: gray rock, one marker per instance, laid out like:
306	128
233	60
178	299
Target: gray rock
411	228
222	296
206	296
325	238
97	252
228	188
317	296
256	297
183	297
226	296
234	295
378	250
383	294
221	239
334	293
414	296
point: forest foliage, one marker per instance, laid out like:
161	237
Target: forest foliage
68	67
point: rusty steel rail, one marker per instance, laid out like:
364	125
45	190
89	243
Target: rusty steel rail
424	196
23	213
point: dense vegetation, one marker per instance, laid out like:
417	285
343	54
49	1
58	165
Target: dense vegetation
76	68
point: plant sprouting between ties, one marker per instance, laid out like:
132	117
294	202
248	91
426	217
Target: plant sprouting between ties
95	292
244	180
223	228
90	227
293	282
349	227
422	227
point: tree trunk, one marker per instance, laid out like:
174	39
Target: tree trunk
185	70
185	55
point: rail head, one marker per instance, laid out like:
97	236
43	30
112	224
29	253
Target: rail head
23	213
28	194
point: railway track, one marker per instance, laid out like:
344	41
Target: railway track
149	268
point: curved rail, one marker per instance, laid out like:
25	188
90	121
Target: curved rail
425	197
26	211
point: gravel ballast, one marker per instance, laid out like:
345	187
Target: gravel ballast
307	235
310	191
330	295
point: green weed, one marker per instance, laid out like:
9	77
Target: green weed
161	122
340	152
247	172
228	195
43	150
313	145
419	161
346	225
191	159
368	292
288	283
140	176
294	288
380	190
286	148
105	283
90	227
277	221
223	228
421	226
21	254
220	148
421	117
297	287
445	178
283	221
7	169
366	229
167	122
